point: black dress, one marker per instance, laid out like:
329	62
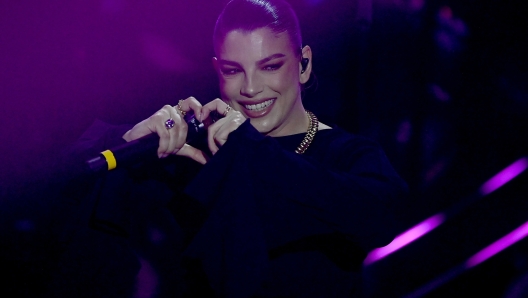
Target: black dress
258	220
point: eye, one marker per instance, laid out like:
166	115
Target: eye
230	71
272	67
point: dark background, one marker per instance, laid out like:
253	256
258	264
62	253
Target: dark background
441	85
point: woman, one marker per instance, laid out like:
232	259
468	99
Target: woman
284	204
259	62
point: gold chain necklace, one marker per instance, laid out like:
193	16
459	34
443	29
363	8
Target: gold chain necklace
313	127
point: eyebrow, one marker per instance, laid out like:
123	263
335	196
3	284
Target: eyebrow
261	61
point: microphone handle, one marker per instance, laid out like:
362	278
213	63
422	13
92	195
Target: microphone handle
142	149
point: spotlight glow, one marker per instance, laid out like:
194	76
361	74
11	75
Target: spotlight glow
504	176
498	246
493	249
431	223
407	237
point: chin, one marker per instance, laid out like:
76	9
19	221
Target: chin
263	128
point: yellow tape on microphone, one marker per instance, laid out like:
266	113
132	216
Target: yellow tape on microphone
110	159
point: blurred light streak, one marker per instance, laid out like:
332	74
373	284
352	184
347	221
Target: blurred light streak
435	170
156	236
439	93
498	246
488	252
504	176
404	132
407	237
437	282
431	223
445	13
146	281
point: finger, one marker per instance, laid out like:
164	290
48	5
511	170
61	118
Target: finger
178	134
221	135
211	132
194	105
230	123
217	105
139	130
191	104
171	138
218	133
157	122
193	153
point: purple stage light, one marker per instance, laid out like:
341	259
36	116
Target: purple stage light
493	249
146	281
314	2
163	53
112	6
439	93
407	237
431	223
404	132
504	176
437	282
156	236
498	246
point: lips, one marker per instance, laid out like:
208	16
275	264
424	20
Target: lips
258	109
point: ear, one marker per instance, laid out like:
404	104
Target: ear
305	76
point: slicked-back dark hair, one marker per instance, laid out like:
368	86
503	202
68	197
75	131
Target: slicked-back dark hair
249	15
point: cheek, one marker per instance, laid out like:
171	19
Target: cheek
286	81
229	88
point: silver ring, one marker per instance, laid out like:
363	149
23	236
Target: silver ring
169	123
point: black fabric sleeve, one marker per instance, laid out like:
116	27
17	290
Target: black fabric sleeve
261	196
98	137
107	192
356	199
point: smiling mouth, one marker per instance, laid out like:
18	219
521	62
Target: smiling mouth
259	106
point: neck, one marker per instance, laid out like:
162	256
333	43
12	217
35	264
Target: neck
297	122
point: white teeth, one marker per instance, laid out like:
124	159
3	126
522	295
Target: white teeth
259	106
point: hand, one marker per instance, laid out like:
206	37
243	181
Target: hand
218	132
172	141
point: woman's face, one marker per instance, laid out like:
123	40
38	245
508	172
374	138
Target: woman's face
260	76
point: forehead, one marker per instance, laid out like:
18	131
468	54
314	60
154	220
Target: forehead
254	45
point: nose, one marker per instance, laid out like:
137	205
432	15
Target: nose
252	85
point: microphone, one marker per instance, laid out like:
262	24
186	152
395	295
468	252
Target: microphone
144	148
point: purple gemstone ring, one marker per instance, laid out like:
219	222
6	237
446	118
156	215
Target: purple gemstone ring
169	123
